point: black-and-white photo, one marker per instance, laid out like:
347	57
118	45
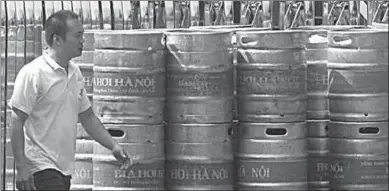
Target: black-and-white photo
194	95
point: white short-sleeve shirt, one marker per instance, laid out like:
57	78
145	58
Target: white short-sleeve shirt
52	99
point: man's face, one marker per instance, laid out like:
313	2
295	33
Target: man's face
73	45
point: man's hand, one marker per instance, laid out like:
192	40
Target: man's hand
24	180
122	156
97	131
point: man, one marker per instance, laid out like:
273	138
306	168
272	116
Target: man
48	100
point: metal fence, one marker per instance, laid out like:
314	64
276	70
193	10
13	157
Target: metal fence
119	15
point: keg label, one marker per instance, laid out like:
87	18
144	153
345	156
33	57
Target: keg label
318	168
342	81
271	171
359	171
271	82
200	84
88	80
147	175
83	172
192	174
129	84
317	79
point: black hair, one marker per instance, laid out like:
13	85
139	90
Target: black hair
56	25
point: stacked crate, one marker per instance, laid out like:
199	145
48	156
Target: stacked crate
129	98
358	104
270	140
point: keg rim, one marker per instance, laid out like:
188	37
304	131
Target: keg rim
274	124
233	28
359	122
221	27
253	29
199	124
128	32
192	32
368	31
332	27
265	31
380	26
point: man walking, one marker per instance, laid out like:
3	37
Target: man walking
48	100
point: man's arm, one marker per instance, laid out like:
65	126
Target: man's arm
96	129
22	103
24	179
18	118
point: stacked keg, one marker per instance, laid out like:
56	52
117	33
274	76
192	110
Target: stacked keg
38	31
44	43
2	125
358	104
8	159
270	140
129	98
10	172
38	28
82	177
317	109
11	63
2	72
30	43
39	37
10	60
20	59
232	28
85	62
199	110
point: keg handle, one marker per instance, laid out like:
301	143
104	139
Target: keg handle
317	38
163	40
341	40
369	130
276	131
248	41
230	130
233	40
116	133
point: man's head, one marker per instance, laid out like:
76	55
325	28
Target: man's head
64	33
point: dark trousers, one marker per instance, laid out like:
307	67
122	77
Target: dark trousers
51	179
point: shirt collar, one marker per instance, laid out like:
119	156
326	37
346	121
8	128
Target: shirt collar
53	64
